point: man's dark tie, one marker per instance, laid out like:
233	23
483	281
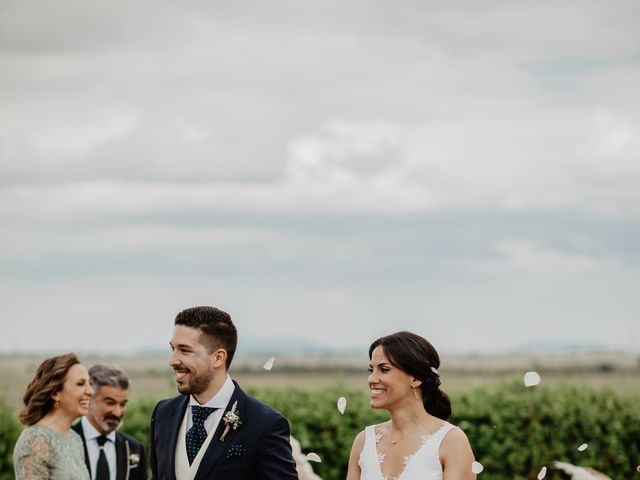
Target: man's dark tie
102	470
197	433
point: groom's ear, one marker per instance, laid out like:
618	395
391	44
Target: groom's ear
219	357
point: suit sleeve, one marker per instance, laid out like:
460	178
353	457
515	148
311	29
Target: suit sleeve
143	463
152	449
275	460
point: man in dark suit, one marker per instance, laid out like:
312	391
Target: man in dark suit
214	430
110	455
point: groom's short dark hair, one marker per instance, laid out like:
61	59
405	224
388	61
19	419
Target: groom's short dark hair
218	330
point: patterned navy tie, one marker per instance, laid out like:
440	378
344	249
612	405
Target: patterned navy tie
197	433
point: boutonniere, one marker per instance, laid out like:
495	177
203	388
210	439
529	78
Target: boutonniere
231	420
134	460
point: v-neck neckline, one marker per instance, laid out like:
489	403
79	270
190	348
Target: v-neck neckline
424	439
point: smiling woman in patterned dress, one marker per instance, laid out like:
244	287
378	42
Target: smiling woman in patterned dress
48	449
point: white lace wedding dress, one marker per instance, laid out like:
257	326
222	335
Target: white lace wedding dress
424	464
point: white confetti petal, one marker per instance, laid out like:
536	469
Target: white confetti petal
543	473
313	457
531	379
435	370
476	467
269	364
342	404
583	447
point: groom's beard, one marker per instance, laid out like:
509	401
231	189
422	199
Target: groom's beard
198	383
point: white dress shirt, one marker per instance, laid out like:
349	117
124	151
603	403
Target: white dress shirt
220	400
93	449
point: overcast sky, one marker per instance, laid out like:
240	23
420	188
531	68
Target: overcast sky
325	171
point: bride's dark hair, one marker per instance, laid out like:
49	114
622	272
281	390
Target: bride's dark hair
415	356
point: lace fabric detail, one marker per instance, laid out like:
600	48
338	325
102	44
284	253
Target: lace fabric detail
43	454
424	464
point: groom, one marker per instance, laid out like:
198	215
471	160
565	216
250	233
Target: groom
214	430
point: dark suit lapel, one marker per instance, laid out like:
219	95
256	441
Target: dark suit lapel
122	457
216	447
176	413
78	428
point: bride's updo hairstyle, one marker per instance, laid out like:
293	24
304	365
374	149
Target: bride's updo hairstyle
415	356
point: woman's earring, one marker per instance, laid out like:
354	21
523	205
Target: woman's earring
415	392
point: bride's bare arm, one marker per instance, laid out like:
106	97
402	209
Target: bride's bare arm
456	456
354	469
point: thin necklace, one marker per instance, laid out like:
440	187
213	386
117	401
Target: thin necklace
402	435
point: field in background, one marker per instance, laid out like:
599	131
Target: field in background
151	376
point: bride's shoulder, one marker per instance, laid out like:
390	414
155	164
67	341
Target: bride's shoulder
360	438
455	440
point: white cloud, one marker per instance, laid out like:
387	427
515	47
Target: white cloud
239	142
523	255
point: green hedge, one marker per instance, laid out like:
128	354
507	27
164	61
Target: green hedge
10	429
513	430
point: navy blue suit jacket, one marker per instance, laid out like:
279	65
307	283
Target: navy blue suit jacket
125	445
257	449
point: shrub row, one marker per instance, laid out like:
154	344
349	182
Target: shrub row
514	431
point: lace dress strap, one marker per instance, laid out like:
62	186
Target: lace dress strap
369	461
438	436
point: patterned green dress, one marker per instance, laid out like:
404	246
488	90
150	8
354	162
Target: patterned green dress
44	454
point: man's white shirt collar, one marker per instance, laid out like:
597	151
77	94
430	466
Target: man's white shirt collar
91	433
220	399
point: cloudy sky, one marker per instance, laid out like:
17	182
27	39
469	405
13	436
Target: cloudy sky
327	171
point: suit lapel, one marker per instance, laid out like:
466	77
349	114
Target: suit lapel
216	447
78	428
176	413
122	457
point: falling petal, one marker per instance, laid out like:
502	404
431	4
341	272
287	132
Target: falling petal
269	364
476	467
583	447
342	404
531	379
313	457
543	473
435	370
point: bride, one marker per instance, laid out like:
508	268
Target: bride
417	443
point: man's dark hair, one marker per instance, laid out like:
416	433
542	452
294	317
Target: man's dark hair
218	330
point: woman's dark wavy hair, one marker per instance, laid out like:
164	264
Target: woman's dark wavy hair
415	356
48	381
